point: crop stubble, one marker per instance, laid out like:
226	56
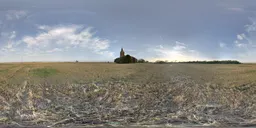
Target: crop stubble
125	94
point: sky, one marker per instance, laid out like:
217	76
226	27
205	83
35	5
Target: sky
96	30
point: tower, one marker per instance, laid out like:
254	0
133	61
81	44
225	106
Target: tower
122	52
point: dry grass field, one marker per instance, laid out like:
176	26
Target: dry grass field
108	94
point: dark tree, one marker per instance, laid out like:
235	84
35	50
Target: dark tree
126	59
213	62
141	61
160	62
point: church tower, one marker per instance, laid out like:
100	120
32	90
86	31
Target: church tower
122	52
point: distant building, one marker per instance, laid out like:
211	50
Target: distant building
122	53
125	58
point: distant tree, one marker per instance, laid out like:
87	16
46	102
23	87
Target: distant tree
141	61
117	60
126	59
160	62
213	62
76	61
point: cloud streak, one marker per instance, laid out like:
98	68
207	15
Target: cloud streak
236	9
16	14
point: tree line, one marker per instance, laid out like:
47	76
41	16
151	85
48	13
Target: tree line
202	62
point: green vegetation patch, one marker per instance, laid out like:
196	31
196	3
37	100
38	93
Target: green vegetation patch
250	71
44	72
4	70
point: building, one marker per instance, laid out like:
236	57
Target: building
125	58
122	53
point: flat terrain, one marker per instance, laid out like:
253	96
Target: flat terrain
108	94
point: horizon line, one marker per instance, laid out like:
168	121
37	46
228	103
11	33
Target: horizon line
108	61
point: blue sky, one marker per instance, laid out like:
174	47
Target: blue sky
95	30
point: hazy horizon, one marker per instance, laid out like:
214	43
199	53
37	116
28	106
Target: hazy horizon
95	31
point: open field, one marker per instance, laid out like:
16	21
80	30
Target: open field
70	94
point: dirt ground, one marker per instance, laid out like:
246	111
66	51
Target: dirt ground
108	94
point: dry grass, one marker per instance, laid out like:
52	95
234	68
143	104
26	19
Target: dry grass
125	94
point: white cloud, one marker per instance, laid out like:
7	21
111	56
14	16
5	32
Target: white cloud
179	43
57	41
245	43
9	46
222	45
130	50
106	53
54	50
161	46
251	27
43	27
239	44
236	9
12	35
240	37
15	14
59	35
179	46
30	41
242	41
68	36
8	37
179	52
